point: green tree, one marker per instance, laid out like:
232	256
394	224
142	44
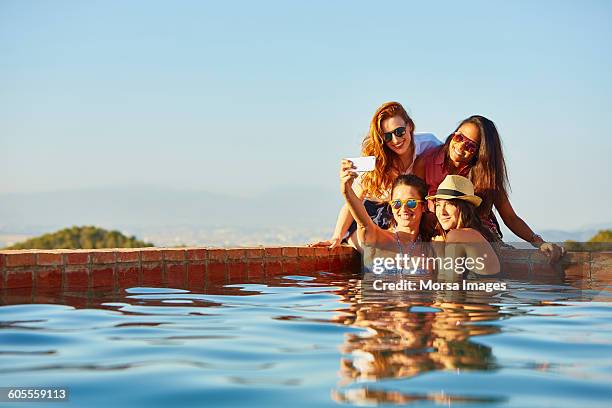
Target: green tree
599	241
85	237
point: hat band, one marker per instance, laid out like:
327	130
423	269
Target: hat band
454	193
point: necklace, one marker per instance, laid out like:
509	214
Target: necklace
401	250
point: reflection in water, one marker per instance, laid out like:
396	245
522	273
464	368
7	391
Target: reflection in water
298	340
409	334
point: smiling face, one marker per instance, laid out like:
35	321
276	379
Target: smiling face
398	145
447	214
457	151
405	217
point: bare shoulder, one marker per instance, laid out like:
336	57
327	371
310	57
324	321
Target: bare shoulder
464	235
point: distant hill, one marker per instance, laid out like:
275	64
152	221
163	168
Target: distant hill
599	241
86	237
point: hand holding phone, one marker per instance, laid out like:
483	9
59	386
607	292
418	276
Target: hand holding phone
363	164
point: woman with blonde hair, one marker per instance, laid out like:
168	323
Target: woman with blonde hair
392	140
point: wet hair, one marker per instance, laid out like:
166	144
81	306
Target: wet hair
377	182
488	170
468	218
412	180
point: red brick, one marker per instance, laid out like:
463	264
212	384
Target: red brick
177	254
576	257
601	275
76	277
602	259
20	259
50	258
216	274
1	279
539	257
49	297
515	270
510	254
256	269
235	254
176	275
127	275
322	263
579	270
18	279
237	272
2	261
102	276
196	275
290	266
252	253
128	255
152	274
335	263
306	252
321	252
78	302
150	255
273	252
196	254
545	269
217	255
308	265
49	278
102	257
76	258
291	252
273	267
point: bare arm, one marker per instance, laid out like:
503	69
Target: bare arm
367	231
474	246
522	230
345	219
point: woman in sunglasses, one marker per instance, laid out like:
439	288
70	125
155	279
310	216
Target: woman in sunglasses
391	139
474	151
407	203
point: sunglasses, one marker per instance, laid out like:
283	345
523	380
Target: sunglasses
411	203
399	132
468	144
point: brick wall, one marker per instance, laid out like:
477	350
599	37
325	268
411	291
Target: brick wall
197	267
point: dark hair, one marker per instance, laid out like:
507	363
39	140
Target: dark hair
488	168
468	218
412	180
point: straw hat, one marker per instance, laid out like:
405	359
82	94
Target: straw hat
456	187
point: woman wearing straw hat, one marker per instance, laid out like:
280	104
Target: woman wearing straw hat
459	223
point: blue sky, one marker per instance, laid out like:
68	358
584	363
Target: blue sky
246	97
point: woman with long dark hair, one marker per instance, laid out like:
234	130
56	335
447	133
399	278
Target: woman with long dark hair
474	151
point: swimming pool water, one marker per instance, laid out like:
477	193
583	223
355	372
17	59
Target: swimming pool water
321	340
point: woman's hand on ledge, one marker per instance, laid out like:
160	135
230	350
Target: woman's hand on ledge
331	243
553	251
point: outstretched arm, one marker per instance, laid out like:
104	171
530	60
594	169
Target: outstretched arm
367	230
522	230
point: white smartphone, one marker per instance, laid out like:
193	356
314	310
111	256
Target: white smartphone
363	164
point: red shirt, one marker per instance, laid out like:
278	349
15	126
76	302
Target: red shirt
436	171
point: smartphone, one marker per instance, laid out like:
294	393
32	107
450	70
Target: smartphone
363	164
